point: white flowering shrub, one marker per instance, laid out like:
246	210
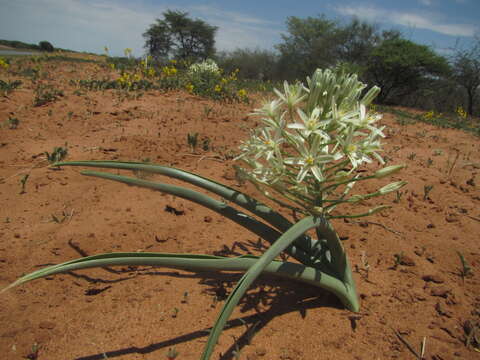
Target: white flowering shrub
207	67
311	143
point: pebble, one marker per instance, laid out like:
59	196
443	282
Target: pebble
433	278
441	292
406	261
442	311
451	218
49	325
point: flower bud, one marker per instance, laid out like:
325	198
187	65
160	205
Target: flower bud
341	176
389	170
356	198
391	187
378	209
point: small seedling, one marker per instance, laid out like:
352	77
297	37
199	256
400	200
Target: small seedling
365	264
33	353
207	110
61	219
172	354
426	191
397	259
58	154
23	183
437	152
185	298
206	144
398	196
12	123
175	312
411	156
192	140
466	270
429	162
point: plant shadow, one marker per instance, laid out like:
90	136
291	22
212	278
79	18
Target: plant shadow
269	297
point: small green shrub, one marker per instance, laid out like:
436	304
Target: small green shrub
45	94
6	87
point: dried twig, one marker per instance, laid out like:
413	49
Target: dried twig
409	347
379	224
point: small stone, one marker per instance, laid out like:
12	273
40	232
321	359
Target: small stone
433	278
441	292
419	297
207	219
442	311
451	218
261	351
48	325
430	226
406	261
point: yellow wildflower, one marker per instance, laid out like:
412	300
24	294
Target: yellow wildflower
429	115
242	93
460	112
218	88
3	64
189	87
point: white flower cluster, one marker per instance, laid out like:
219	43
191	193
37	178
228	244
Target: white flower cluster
207	66
312	140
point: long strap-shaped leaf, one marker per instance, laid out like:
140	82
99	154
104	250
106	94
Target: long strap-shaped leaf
304	249
196	262
257	227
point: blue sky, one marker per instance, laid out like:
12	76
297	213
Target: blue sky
89	25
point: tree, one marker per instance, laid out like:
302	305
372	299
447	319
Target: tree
311	44
466	72
179	37
322	43
46	46
357	40
400	67
253	64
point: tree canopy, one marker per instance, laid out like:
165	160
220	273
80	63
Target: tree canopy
400	67
179	37
46	46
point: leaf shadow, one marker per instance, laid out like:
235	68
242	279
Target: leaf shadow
269	297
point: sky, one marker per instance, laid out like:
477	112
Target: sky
90	25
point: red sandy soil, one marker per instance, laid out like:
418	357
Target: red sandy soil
129	312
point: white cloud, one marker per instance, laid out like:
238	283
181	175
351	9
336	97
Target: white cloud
426	21
89	25
237	30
